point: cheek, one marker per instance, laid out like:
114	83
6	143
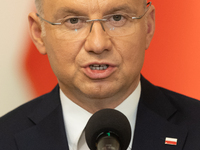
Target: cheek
131	50
61	50
62	55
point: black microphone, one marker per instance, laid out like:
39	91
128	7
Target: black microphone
108	129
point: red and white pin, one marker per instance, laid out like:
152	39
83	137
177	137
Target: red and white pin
171	141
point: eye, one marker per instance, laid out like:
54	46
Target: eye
116	20
117	17
74	20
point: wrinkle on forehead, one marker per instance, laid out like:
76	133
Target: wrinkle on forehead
127	6
91	7
55	5
105	6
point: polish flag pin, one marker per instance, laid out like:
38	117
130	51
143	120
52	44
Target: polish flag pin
171	141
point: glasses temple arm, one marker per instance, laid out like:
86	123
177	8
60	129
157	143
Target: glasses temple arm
149	3
47	20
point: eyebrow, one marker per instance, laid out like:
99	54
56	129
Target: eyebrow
63	11
125	8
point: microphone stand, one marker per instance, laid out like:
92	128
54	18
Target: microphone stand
108	143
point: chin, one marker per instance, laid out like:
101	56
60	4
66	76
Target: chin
99	94
99	90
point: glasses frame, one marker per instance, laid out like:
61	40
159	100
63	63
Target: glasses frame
93	20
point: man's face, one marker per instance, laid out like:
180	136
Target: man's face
72	60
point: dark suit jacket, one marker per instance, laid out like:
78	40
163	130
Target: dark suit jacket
38	125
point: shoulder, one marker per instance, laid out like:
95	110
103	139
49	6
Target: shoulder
18	118
15	121
27	108
163	100
21	110
22	117
187	105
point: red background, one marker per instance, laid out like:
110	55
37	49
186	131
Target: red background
172	61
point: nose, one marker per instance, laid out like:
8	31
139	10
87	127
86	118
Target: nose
98	40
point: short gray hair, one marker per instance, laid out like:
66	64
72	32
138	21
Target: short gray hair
38	5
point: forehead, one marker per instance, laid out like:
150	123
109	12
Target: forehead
89	6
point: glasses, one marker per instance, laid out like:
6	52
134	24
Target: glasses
79	27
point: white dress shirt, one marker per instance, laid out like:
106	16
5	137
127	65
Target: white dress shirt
76	118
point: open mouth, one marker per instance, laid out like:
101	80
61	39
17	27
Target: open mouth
98	67
99	70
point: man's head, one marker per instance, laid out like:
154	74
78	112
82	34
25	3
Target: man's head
96	69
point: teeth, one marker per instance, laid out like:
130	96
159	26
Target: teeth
98	67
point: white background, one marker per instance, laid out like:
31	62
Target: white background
14	38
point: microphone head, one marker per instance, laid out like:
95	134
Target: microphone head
108	120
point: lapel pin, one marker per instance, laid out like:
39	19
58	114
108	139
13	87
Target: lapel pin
171	141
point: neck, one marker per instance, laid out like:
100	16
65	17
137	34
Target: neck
94	104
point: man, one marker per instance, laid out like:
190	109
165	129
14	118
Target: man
96	49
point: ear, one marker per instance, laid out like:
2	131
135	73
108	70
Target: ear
150	25
35	32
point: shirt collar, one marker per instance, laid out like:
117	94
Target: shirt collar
76	118
129	108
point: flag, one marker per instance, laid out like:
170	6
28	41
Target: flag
171	141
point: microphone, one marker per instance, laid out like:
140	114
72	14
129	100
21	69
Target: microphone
108	129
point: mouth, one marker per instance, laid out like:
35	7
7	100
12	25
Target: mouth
99	71
98	67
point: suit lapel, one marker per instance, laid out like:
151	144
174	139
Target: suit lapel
151	131
156	120
48	133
